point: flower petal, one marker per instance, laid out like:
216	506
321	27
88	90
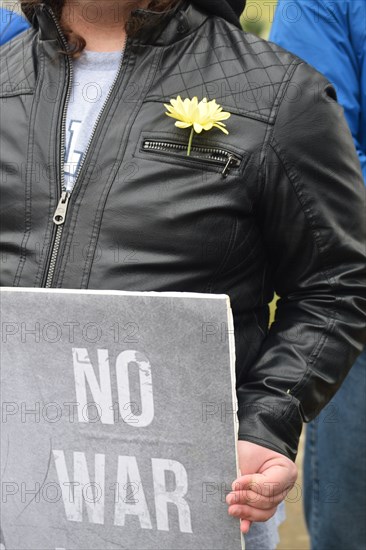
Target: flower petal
223	116
181	124
170	108
178	106
197	127
222	129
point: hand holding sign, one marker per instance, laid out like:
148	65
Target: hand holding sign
269	476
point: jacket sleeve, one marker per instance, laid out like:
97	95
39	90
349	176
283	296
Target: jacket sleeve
311	212
339	55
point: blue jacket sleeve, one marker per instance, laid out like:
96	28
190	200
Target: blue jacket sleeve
331	36
11	24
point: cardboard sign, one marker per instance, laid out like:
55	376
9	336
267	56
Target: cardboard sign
118	426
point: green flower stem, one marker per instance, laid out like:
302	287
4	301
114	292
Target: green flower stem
190	142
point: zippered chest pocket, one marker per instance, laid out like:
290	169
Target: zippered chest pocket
203	155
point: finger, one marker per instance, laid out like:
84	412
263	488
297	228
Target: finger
245	525
277	472
274	482
245	512
254	499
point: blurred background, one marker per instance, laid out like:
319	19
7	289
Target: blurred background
258	16
257	19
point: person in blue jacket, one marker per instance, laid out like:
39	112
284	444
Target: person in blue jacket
331	36
11	24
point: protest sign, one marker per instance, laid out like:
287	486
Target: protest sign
118	426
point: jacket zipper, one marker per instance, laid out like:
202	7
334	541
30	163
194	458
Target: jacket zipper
219	157
61	210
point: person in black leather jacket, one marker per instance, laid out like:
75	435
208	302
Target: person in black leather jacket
262	209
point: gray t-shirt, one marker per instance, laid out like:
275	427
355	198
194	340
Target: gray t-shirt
94	74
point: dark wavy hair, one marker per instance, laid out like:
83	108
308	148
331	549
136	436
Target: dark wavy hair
77	42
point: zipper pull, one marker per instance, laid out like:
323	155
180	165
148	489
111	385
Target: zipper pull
60	213
232	160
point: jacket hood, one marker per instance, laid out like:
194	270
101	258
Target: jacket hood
230	10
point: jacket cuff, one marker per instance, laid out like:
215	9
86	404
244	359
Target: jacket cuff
271	426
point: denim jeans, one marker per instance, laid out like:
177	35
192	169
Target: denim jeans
335	468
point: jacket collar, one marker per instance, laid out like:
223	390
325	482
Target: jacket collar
161	29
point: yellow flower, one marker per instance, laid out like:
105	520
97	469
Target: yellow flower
203	115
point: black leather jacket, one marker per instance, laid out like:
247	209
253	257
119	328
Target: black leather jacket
275	205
